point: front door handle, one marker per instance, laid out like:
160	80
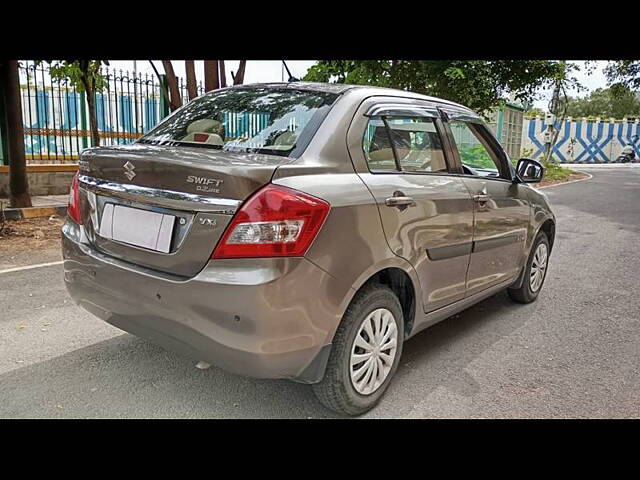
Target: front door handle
399	200
482	198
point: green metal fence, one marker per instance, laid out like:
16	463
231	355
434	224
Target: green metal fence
56	119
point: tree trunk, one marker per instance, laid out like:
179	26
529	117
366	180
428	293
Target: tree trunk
18	183
223	74
211	75
192	88
91	103
93	121
175	101
239	78
160	82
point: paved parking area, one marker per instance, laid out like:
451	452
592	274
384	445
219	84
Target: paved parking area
573	353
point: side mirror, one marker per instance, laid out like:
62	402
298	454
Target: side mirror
530	171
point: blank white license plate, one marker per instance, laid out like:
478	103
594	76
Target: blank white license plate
141	228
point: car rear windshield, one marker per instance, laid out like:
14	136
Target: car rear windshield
260	120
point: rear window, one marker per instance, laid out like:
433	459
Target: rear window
261	120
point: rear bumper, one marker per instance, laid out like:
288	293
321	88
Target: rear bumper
266	318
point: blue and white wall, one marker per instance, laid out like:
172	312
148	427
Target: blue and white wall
582	141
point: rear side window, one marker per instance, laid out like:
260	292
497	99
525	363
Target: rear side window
377	146
408	144
262	120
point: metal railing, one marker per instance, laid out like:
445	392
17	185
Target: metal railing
56	119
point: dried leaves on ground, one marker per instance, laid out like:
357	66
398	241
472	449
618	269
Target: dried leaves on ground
31	233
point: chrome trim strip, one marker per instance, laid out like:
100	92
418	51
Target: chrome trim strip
457	114
489	243
162	198
401	109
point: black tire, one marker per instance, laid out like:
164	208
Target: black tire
336	391
524	294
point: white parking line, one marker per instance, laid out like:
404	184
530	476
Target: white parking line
29	267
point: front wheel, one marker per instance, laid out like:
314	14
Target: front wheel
365	353
535	272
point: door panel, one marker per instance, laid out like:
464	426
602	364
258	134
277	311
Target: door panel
500	231
426	213
434	234
501	207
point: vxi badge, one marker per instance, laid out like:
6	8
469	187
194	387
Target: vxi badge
205	184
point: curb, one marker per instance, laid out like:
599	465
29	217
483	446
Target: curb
33	212
588	177
601	165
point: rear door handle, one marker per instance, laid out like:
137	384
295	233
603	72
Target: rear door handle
481	198
400	202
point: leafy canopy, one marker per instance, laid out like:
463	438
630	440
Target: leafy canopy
85	76
535	112
624	72
478	84
80	73
617	101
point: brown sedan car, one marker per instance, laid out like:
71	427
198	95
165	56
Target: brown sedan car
304	231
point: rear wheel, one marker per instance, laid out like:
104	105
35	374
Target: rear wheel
365	352
535	272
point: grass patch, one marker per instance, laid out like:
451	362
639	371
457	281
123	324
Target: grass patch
554	171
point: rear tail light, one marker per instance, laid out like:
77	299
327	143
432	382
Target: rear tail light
275	222
74	200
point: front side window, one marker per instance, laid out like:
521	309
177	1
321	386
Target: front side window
413	144
476	156
262	120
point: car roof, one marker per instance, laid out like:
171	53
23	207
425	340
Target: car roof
340	88
314	86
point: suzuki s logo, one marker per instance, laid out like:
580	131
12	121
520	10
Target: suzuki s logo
129	170
205	184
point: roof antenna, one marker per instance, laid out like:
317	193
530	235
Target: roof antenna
291	77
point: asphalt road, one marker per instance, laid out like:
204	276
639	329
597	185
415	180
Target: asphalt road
573	353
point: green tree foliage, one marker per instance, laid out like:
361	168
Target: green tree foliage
478	84
79	73
618	101
475	156
85	76
535	112
624	72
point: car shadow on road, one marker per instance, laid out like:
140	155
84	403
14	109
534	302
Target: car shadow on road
437	359
130	377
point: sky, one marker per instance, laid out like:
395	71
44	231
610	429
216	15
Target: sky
595	80
256	71
272	71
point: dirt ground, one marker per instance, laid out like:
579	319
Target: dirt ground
30	233
30	241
